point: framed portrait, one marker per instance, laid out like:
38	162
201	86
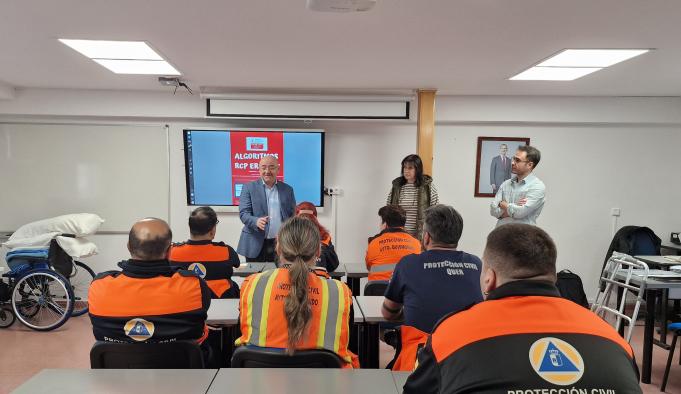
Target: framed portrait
493	165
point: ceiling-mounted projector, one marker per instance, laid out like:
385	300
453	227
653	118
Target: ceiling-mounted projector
340	5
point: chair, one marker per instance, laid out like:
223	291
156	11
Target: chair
617	276
170	355
676	328
376	287
251	357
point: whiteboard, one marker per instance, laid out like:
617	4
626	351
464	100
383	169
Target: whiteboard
119	172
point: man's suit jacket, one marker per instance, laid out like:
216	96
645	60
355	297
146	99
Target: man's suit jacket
498	172
253	205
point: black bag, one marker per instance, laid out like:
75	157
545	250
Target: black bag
571	288
59	260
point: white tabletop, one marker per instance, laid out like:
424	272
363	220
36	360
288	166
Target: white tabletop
658	260
247	269
400	379
124	381
356	270
223	312
285	380
371	308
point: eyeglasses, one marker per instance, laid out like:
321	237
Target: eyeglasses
517	160
271	168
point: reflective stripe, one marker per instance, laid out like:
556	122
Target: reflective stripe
256	303
383	267
321	333
330	340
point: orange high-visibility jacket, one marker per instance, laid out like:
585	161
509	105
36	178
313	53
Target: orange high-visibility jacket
386	249
212	261
148	302
263	322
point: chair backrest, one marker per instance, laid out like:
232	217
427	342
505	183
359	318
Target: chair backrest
617	276
170	355
250	357
376	287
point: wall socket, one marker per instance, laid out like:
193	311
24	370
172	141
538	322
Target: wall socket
615	212
333	191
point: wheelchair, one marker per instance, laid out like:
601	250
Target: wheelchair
43	288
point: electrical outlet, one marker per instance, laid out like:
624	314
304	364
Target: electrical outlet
333	191
615	212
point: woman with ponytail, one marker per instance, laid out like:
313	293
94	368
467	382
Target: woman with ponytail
293	308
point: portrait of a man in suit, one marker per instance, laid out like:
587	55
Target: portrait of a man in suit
500	168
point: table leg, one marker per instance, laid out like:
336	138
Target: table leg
372	334
648	336
663	327
353	284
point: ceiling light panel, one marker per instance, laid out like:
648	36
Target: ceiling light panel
591	57
154	67
553	73
96	49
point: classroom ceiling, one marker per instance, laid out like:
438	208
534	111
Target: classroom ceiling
460	47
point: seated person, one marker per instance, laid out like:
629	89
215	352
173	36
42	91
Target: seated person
428	286
212	261
391	244
149	301
292	308
328	258
524	337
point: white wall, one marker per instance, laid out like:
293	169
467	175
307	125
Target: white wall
598	153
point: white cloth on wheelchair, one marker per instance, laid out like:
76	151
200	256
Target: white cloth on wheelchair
77	247
78	224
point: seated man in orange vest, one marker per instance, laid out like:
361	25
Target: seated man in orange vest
524	338
212	261
148	301
430	285
391	244
293	308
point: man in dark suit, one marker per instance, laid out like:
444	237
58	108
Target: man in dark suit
500	169
263	206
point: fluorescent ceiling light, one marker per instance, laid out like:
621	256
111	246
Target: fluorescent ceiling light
591	57
96	49
156	67
553	73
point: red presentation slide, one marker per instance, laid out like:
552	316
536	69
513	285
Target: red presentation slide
247	150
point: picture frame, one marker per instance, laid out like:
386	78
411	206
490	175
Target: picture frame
490	168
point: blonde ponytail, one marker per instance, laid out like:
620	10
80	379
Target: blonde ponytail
298	243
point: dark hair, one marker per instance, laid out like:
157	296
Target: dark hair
202	220
532	153
520	251
152	248
393	215
414	160
444	224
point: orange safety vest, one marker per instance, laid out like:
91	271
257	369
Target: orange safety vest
212	261
386	249
412	339
263	320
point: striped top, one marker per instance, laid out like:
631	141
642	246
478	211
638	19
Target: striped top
409	201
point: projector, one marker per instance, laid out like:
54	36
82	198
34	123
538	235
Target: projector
340	5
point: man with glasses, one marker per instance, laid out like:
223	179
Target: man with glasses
263	206
521	198
212	261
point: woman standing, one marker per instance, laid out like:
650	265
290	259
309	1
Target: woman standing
414	192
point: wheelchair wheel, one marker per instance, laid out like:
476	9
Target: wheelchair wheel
6	317
42	300
80	281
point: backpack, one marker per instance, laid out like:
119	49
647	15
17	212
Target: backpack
570	286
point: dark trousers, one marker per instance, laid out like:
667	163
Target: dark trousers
267	253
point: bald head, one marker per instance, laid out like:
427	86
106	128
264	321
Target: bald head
149	239
269	168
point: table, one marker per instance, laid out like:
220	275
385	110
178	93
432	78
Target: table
354	272
670	246
223	312
660	261
247	269
285	380
124	381
371	307
400	378
653	286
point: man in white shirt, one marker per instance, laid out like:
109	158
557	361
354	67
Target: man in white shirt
521	198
